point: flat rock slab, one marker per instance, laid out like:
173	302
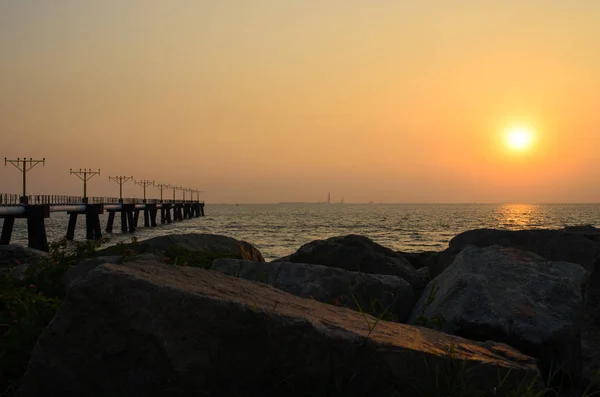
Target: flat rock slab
511	296
146	329
384	296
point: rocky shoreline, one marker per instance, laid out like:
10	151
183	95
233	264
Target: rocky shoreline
496	313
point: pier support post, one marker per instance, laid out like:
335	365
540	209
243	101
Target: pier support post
7	229
167	208
92	221
202	208
146	216
36	228
152	211
71	226
127	210
123	220
111	220
136	217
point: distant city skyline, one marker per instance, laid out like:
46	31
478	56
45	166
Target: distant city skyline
266	101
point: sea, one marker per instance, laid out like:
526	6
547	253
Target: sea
280	229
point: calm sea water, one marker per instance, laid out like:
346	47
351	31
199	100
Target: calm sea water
279	229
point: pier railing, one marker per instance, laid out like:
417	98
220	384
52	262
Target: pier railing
15	199
36	208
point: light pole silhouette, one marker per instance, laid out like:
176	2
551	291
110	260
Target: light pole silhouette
121	180
24	165
144	184
85	175
174	189
198	194
162	186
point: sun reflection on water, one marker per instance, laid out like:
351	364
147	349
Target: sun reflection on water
519	216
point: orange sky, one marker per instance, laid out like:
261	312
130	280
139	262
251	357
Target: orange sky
269	100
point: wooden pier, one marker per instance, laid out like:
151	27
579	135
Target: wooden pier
38	208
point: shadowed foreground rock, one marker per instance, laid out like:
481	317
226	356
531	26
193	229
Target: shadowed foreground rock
375	293
12	255
511	296
82	268
359	254
214	244
146	329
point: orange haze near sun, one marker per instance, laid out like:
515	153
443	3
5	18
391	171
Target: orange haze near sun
260	101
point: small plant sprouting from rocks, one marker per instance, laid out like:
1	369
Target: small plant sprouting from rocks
436	321
370	326
27	305
127	250
181	256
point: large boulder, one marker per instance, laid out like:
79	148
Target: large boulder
359	254
210	245
555	245
384	296
511	296
82	268
146	329
588	231
20	262
420	260
13	255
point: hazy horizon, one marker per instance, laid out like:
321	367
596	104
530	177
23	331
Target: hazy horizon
265	101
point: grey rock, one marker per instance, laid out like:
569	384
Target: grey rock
212	243
359	254
588	231
22	271
555	245
146	329
82	268
13	255
420	260
511	296
379	295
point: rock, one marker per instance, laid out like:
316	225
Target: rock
511	296
82	268
419	260
587	231
213	245
22	271
147	329
380	295
359	254
13	255
555	245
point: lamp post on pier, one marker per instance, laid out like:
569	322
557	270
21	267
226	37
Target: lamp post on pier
174	189
162	186
85	175
198	194
144	184
121	180
24	165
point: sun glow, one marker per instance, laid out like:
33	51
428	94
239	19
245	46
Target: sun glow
519	138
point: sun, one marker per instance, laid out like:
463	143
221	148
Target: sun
519	138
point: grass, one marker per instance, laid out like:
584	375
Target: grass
28	305
181	256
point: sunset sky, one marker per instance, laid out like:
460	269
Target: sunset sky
260	101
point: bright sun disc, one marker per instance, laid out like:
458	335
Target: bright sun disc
519	138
